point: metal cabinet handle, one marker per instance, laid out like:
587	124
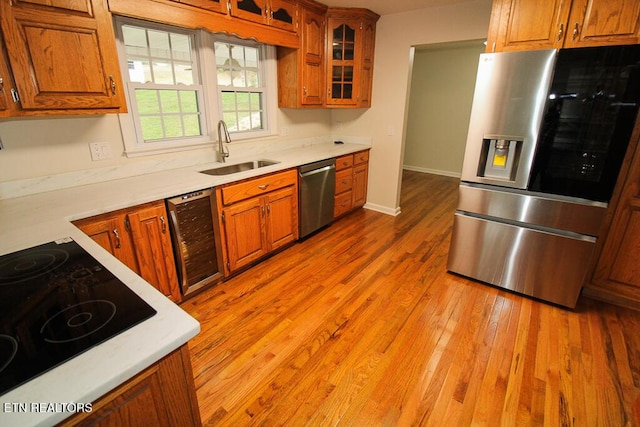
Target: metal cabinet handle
269	209
112	84
164	224
576	30
115	233
560	32
263	186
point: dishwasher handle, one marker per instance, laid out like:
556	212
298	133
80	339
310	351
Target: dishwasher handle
315	171
317	167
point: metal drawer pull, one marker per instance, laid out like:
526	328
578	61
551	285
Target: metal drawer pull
113	85
576	30
115	233
164	224
263	186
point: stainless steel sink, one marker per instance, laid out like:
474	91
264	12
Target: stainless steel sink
239	167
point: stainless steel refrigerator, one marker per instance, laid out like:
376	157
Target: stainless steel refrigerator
547	136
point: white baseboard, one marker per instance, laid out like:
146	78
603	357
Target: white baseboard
383	209
433	171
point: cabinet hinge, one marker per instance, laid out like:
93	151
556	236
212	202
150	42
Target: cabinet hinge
228	265
223	217
15	96
127	225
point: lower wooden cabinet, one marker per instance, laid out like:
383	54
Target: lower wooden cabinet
352	173
257	217
616	277
140	238
162	395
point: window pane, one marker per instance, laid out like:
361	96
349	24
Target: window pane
163	73
135	40
256	101
159	44
151	127
139	71
191	125
231	120
252	78
189	101
181	47
222	53
251	57
173	126
243	101
147	101
228	101
184	74
169	101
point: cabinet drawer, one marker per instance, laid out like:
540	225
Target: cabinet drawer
257	186
344	162
361	157
344	180
342	204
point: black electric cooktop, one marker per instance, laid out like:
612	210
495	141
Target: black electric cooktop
57	301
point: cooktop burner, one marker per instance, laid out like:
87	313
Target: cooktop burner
57	301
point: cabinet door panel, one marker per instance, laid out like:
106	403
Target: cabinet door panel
110	232
152	241
282	217
603	22
244	232
251	10
312	40
360	176
61	60
533	24
283	14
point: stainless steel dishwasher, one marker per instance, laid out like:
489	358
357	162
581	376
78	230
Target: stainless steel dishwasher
316	186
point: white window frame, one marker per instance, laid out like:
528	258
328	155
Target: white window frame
209	103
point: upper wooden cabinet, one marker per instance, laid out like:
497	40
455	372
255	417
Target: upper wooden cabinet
7	105
350	47
219	6
301	71
546	24
62	54
277	13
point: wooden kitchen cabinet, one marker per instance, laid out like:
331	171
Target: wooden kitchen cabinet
351	182
162	395
219	6
140	238
350	46
616	277
535	24
281	14
7	105
257	216
62	56
301	71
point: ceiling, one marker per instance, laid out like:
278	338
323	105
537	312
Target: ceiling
386	7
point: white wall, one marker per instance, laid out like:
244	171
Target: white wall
385	121
42	147
442	84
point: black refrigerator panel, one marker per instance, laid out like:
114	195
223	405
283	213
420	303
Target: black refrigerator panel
589	116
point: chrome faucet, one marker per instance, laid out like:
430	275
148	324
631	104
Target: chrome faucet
222	129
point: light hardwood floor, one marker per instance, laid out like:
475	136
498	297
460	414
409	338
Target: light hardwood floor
361	325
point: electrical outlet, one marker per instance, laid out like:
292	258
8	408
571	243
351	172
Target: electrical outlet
100	151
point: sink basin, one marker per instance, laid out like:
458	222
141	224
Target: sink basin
239	167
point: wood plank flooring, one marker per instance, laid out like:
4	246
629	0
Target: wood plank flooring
361	325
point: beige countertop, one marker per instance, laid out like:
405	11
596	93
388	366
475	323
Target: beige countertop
40	218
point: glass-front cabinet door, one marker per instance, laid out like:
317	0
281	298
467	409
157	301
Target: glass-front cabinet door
343	57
